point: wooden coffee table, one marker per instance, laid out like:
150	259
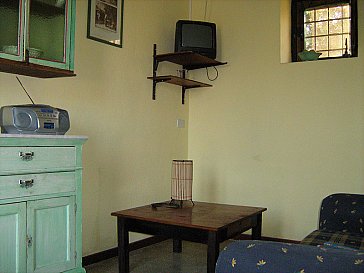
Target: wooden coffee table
206	223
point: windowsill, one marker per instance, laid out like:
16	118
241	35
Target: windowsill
321	60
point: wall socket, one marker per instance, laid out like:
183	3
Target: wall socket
180	123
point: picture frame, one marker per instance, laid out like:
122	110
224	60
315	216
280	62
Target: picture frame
105	21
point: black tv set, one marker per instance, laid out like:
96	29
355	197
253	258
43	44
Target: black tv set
196	36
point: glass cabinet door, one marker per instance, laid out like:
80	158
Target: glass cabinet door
49	37
11	30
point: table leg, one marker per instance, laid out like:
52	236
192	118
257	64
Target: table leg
123	246
257	230
212	251
177	246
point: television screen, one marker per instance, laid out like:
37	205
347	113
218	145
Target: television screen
196	36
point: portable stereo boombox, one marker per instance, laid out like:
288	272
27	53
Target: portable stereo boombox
33	119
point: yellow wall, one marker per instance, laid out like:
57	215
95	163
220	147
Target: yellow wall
132	139
281	136
268	134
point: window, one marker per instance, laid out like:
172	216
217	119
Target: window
326	26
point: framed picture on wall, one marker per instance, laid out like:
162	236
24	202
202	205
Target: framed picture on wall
105	21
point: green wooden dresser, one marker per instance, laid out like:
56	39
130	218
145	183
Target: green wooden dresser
41	204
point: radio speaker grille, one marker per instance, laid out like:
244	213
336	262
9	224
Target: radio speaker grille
25	119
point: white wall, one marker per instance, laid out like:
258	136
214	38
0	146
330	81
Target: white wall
281	136
132	139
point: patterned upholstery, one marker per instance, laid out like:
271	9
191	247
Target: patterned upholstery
272	257
319	237
341	221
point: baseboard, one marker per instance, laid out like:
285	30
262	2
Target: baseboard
113	252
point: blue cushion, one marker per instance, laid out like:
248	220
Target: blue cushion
271	257
342	212
319	237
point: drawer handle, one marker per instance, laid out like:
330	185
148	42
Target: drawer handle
26	156
26	183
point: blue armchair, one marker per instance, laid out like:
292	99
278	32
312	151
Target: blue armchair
341	222
337	246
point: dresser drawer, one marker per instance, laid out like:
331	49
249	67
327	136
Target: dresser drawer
35	159
13	186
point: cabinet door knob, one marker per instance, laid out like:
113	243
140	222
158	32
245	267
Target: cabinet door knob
26	183
27	156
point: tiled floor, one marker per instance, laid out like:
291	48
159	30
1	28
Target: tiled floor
159	258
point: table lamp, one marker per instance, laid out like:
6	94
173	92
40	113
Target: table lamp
181	181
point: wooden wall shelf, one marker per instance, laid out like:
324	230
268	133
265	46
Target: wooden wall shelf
189	61
180	81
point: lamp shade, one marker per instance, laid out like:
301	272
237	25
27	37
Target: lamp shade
182	175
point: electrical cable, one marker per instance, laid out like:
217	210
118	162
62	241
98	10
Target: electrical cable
208	75
205	10
190	10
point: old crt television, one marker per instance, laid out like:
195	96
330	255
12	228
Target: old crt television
196	36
